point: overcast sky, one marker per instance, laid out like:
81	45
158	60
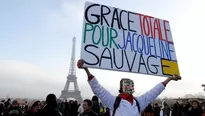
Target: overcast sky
36	38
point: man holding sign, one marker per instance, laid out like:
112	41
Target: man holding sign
125	104
121	40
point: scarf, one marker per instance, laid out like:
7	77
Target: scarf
127	97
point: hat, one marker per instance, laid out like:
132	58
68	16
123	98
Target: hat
33	104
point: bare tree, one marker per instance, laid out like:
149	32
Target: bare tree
189	96
200	95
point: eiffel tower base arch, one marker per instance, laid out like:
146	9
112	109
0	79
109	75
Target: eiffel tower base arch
71	94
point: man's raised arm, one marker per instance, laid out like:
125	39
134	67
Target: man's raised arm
97	89
151	95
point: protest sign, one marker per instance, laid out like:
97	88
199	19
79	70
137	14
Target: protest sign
121	40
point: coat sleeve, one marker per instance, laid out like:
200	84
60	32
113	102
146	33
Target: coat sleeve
150	96
102	93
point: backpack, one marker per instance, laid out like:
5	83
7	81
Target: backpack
117	103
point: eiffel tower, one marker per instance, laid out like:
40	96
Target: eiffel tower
71	78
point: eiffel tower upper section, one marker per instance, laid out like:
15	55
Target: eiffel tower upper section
72	69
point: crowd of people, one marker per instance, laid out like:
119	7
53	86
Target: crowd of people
93	107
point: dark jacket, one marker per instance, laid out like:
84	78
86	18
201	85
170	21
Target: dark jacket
195	112
50	111
90	113
13	111
29	113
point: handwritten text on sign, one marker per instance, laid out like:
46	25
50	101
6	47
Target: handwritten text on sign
121	40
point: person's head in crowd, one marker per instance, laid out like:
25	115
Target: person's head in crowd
195	104
189	101
156	105
75	102
148	108
95	100
35	106
71	101
51	100
14	103
126	86
87	105
1	104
